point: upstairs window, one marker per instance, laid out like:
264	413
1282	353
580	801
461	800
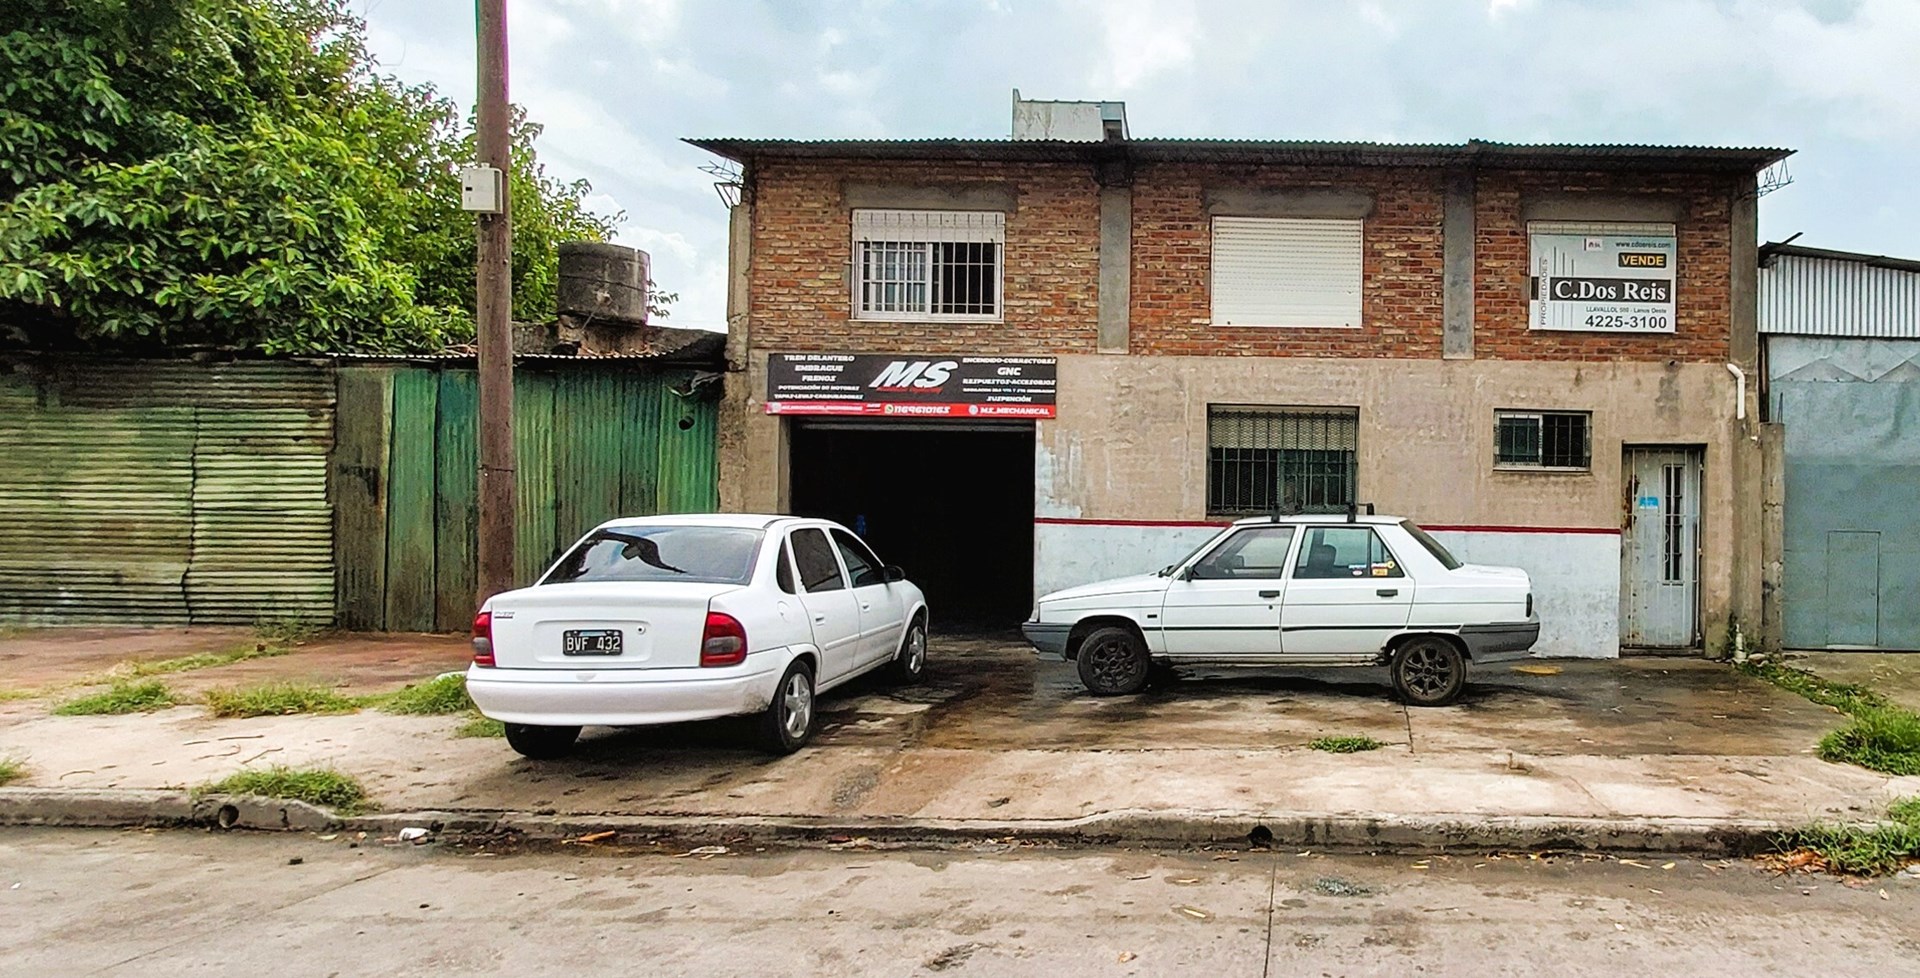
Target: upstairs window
1543	440
1299	460
1273	271
928	265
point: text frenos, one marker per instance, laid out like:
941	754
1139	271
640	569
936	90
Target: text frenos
909	386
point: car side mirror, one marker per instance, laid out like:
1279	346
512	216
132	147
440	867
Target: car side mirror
892	574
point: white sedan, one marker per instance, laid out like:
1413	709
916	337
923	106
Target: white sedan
673	618
1298	590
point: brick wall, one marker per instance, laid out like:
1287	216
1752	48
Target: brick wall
1172	263
802	253
1701	297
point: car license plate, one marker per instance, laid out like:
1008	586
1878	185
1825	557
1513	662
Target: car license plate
590	641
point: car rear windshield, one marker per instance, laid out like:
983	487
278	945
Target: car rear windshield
1433	546
689	554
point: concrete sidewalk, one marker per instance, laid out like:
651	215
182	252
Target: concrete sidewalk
996	738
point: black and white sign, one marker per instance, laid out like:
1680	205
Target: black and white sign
910	385
1602	283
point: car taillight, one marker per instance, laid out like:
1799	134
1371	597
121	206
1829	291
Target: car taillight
483	639
724	643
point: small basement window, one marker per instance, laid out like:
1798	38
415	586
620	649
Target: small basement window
1560	440
927	265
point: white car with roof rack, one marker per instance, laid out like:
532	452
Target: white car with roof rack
667	619
1350	590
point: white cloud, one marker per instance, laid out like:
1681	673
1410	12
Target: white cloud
1144	39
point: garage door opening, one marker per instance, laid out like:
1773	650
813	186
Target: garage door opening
952	506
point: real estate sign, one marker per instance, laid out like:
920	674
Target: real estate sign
1616	282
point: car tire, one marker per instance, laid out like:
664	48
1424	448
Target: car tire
910	663
1113	662
1429	671
541	743
788	722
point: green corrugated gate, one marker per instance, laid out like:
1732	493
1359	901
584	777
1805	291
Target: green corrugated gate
595	440
152	492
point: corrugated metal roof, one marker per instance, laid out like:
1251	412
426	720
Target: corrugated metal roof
1815	292
1478	152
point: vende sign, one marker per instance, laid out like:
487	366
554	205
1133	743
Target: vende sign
1602	283
910	386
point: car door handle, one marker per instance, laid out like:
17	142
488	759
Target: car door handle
1387	592
1269	594
819	619
866	607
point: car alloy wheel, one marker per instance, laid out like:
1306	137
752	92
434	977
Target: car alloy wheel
1113	662
916	650
1429	672
796	701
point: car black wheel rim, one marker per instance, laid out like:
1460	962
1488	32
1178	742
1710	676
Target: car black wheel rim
1428	671
1113	663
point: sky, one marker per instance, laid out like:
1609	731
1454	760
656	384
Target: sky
618	83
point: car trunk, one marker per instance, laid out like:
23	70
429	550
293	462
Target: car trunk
660	625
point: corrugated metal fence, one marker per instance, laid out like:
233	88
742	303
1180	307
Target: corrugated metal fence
595	441
165	492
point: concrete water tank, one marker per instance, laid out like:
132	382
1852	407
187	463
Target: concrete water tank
603	282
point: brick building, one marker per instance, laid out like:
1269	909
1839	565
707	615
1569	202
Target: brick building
1027	363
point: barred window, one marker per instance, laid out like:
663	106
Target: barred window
927	265
1542	440
1262	459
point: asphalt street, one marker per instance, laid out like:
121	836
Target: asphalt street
192	902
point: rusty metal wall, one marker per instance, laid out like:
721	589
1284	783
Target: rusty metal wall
148	492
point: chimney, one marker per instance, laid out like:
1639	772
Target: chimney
1080	122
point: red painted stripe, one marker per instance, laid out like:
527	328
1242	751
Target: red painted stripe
1074	521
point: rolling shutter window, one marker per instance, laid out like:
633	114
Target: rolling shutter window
1286	272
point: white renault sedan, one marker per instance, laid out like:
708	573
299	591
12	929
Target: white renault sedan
673	618
1298	590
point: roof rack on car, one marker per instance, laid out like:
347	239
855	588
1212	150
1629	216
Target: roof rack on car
1353	511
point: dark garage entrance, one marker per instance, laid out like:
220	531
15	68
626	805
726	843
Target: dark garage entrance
952	504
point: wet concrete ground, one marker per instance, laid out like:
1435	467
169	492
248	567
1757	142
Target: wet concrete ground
1895	675
140	903
996	734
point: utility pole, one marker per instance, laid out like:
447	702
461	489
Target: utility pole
493	311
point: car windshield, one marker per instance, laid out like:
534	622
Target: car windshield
1195	552
690	554
1433	546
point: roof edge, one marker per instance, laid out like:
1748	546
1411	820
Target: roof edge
1772	249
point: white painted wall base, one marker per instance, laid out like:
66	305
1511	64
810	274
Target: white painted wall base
1576	576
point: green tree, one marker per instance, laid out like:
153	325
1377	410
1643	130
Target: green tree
235	173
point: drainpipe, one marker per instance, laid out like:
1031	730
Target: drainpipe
1740	383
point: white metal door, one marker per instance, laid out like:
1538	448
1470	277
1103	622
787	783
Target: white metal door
1229	602
1660	549
1347	595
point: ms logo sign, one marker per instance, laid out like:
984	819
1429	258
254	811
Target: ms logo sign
901	375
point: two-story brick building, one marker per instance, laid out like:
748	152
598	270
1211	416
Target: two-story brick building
1022	364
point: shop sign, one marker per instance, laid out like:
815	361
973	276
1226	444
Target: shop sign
1602	283
906	386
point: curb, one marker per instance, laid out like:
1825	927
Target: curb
1429	833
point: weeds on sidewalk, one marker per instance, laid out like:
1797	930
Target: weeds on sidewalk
1345	745
11	770
9	693
124	696
137	669
439	696
286	632
1875	850
1883	736
277	699
318	786
481	726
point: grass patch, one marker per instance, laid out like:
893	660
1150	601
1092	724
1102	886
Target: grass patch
481	726
439	696
286	632
125	696
11	770
1862	850
1345	745
318	786
7	694
137	669
277	699
1883	736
